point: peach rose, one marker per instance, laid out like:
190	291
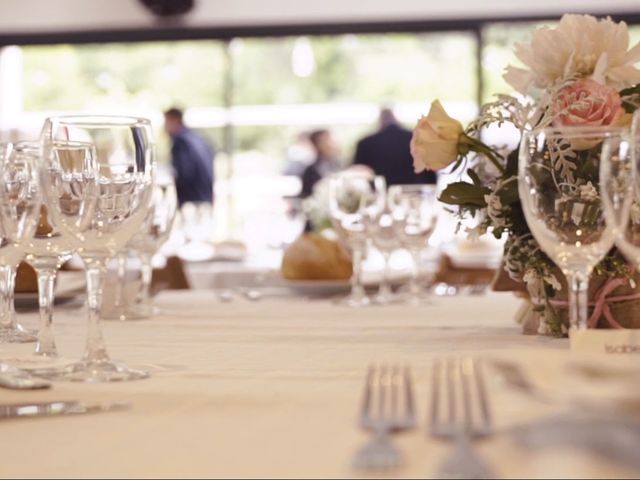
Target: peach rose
586	102
434	144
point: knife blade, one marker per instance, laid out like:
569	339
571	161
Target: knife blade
57	408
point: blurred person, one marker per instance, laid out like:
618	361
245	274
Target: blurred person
300	154
387	153
191	158
324	164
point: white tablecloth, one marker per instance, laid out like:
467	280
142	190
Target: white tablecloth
271	388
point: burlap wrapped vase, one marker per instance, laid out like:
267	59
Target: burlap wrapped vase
614	302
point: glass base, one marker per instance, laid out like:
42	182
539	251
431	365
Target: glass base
387	298
422	297
354	301
17	334
102	372
41	366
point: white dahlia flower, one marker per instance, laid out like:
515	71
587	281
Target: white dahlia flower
580	46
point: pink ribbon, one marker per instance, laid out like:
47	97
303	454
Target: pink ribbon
602	302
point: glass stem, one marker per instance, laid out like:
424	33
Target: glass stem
7	317
95	351
46	345
119	302
578	299
385	287
11	292
146	271
414	283
357	290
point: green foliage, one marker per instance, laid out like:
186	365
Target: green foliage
149	76
466	195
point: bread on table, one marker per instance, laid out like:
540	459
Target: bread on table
314	257
26	279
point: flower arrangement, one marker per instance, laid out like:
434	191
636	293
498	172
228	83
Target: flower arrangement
580	73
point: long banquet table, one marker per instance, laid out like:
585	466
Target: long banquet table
271	388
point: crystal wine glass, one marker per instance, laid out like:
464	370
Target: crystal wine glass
154	233
619	178
559	188
353	198
19	207
48	249
416	205
385	229
99	208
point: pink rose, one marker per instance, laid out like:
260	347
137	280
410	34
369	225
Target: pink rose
586	102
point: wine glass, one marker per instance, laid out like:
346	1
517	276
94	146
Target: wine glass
154	233
385	229
353	199
47	249
19	207
416	206
619	177
99	207
559	188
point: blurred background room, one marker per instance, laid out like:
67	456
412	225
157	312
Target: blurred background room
255	80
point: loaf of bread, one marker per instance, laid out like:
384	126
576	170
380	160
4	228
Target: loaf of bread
26	279
314	257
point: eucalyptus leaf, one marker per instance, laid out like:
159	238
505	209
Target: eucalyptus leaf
464	194
512	163
474	177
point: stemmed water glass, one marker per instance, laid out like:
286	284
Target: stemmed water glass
47	249
385	229
620	180
560	191
98	208
19	208
154	233
354	198
416	209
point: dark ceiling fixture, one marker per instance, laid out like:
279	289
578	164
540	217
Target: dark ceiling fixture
168	8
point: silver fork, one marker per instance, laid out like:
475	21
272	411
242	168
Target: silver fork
464	389
387	407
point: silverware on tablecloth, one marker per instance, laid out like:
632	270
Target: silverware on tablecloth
56	408
387	407
458	384
13	378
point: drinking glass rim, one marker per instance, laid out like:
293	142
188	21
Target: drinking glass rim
572	131
100	121
36	145
72	144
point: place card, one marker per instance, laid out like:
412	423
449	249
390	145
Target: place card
610	342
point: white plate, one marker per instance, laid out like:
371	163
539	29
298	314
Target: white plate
207	252
317	288
371	280
473	258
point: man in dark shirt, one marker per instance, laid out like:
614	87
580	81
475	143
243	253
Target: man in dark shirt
324	164
191	159
387	153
